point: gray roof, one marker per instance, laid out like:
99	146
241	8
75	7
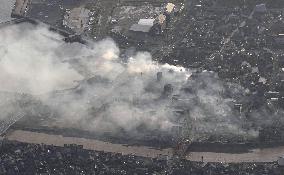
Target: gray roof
140	28
261	8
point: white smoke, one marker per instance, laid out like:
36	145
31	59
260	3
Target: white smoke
92	88
29	63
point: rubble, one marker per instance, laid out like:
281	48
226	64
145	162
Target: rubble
77	19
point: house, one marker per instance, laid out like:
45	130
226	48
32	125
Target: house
144	25
260	8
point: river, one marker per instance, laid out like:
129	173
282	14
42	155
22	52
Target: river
256	155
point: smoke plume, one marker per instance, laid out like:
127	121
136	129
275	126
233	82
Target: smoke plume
91	87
